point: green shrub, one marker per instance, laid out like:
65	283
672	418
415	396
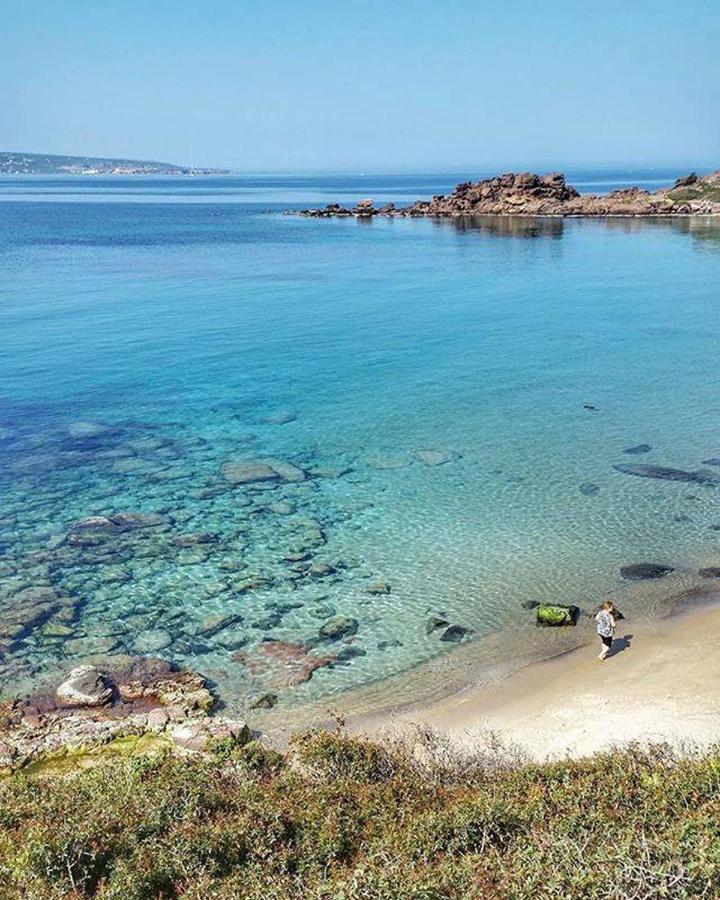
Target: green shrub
340	818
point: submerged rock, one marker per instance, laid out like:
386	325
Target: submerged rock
340	626
710	572
553	615
435	457
379	587
666	473
713	461
152	641
287	471
260	470
215	624
638	448
644	571
588	488
456	633
266	701
86	429
529	604
247	472
435	622
84	686
283	417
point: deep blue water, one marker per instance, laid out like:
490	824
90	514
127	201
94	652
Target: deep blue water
187	322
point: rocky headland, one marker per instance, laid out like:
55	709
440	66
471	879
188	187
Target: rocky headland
527	194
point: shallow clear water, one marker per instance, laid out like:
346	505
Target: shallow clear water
189	323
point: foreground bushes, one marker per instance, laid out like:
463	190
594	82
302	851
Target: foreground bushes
340	818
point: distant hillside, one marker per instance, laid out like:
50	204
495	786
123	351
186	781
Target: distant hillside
47	164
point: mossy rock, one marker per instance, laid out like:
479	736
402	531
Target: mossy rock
554	614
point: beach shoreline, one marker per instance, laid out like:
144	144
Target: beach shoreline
659	685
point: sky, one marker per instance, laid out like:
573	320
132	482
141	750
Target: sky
364	85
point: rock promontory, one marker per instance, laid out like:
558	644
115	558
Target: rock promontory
527	194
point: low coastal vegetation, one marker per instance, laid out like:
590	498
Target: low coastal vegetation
340	817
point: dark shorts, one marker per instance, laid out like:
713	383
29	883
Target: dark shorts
606	640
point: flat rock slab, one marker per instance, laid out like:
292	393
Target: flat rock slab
645	571
261	470
247	472
152	641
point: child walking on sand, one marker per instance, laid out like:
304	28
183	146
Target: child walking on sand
605	619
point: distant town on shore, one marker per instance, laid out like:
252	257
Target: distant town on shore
15	163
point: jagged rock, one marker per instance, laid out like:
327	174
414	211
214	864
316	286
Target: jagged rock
528	194
84	686
456	633
644	571
379	587
340	626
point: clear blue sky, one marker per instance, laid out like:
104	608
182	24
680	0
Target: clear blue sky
287	85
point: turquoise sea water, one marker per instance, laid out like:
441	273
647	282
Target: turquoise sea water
431	379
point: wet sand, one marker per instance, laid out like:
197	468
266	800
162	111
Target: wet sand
662	683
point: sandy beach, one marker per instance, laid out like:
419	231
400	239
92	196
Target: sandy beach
661	684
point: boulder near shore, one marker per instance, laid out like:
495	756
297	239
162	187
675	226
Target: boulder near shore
528	194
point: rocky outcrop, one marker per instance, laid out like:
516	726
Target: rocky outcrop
527	194
96	705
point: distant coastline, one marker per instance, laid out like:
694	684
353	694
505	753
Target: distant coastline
49	164
527	194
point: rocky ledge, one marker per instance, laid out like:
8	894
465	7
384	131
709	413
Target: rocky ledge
95	707
527	194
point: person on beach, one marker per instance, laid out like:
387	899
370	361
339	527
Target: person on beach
605	621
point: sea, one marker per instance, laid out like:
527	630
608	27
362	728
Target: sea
306	457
